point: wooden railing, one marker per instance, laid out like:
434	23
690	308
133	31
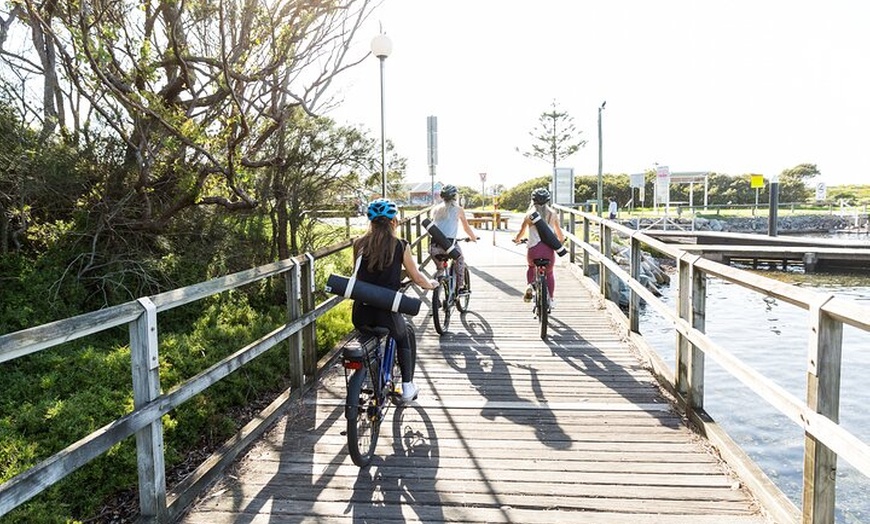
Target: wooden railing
818	415
156	503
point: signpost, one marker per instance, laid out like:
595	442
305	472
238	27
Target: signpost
482	192
432	149
663	188
756	182
563	186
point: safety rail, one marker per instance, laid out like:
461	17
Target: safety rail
825	439
144	421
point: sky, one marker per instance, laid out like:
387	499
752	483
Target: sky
734	87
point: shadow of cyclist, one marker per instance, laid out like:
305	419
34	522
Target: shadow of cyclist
403	481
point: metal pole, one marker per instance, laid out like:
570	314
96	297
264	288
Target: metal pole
383	142
600	160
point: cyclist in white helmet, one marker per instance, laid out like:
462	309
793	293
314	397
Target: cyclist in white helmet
537	248
448	216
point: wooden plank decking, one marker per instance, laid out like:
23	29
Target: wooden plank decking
508	428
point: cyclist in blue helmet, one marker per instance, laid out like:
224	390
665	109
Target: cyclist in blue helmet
448	216
536	247
384	255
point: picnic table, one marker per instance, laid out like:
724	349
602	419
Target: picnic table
486	219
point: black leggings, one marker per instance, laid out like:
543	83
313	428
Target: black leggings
365	315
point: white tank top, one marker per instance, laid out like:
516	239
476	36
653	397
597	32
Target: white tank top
449	224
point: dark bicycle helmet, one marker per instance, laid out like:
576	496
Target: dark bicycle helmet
540	196
449	192
382	207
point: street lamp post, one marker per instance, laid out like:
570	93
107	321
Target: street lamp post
600	159
381	48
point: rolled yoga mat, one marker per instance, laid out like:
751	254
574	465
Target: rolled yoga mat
376	296
441	240
547	235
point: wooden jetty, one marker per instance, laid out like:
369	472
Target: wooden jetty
814	254
508	428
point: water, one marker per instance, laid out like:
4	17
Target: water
772	337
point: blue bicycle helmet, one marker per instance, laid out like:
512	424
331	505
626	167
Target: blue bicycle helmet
540	196
382	208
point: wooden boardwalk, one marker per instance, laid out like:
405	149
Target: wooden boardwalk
508	428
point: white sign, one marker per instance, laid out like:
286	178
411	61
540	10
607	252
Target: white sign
663	184
637	180
821	191
564	186
483	177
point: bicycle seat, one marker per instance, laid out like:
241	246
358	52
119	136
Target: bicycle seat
541	262
441	257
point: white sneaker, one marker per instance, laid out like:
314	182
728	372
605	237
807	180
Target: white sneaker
409	392
552	304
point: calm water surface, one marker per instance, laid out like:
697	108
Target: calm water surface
772	337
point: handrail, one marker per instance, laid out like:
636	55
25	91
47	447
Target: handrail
826	439
144	420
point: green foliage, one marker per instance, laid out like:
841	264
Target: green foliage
518	197
555	137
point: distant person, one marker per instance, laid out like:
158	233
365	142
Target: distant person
447	217
612	209
537	248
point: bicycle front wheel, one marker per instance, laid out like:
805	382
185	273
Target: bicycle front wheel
363	418
463	299
440	308
543	304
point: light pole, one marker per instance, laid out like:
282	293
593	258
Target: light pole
381	48
600	159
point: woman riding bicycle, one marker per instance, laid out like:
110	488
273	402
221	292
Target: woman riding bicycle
447	216
537	248
383	257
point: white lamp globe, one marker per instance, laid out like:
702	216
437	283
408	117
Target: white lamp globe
382	46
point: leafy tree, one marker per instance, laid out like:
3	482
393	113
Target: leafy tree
196	90
555	137
793	182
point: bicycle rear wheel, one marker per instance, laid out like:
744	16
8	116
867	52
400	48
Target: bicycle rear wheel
363	418
441	308
543	305
463	299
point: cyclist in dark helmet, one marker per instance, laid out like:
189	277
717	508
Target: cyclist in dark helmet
448	216
383	257
537	248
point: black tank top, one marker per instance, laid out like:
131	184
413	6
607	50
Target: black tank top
391	276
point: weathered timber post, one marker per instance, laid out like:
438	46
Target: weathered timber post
691	304
145	364
309	332
586	241
633	297
293	291
823	396
419	224
604	243
572	228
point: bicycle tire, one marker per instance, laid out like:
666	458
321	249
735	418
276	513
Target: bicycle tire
440	308
462	301
363	419
543	305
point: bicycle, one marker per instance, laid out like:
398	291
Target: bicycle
372	377
445	296
540	292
